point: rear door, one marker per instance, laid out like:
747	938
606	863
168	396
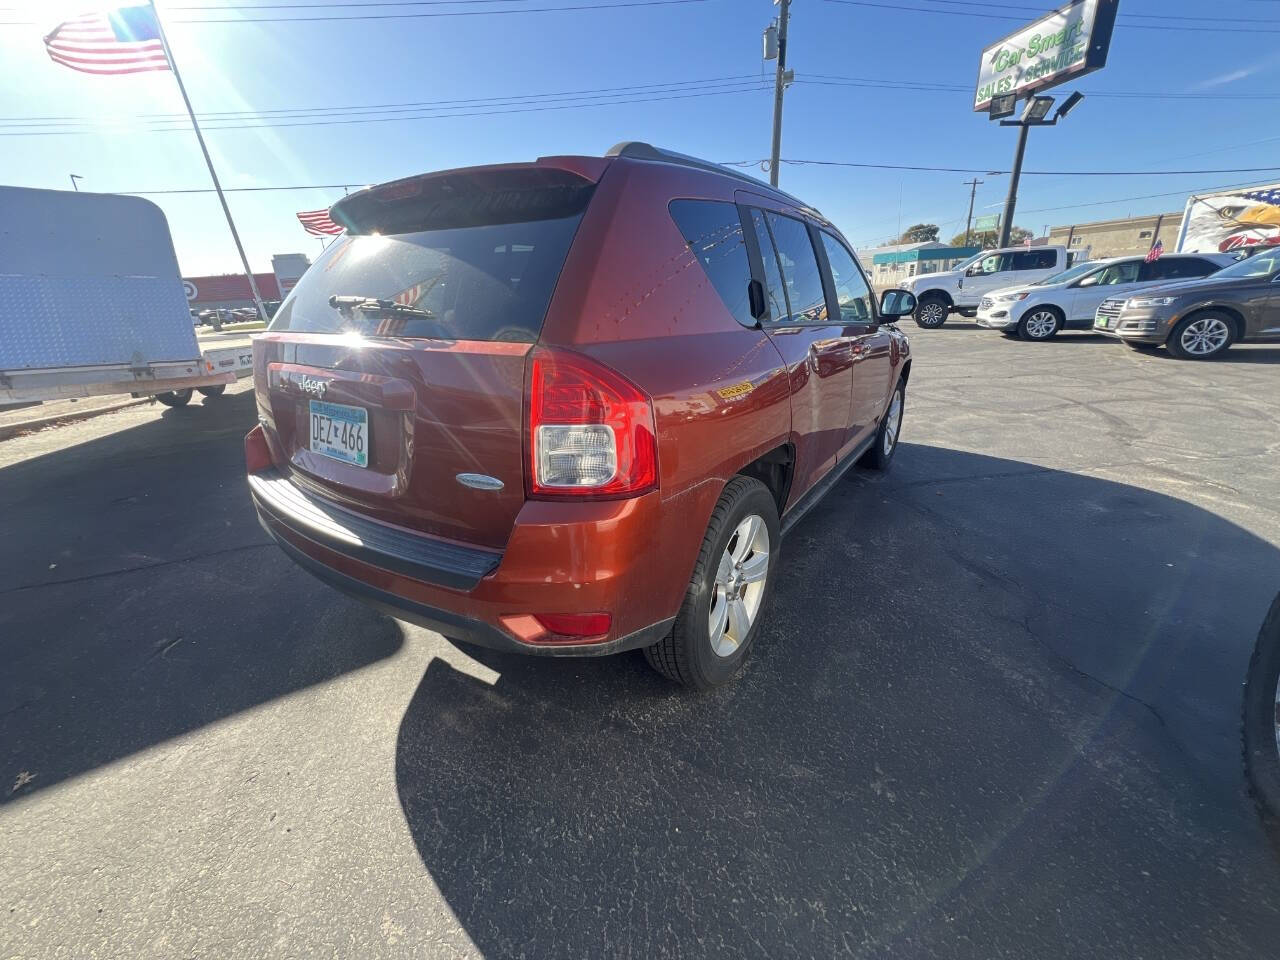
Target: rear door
397	364
812	343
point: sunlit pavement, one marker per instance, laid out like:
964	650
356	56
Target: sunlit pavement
994	713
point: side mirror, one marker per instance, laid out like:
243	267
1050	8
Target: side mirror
895	304
1089	281
755	299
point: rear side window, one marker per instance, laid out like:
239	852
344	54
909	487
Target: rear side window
713	231
487	282
800	272
1182	268
1035	260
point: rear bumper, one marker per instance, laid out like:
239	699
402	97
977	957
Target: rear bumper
561	558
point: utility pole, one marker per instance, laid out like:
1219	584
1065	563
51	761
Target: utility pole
779	86
973	191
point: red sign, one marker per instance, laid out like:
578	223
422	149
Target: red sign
230	286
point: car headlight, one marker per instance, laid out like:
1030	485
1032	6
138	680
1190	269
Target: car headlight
1140	302
1010	297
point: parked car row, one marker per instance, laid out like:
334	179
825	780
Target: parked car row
1194	304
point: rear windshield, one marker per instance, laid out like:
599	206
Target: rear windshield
487	282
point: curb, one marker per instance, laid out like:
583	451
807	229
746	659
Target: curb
8	430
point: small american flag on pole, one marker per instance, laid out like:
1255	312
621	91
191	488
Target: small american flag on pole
318	224
126	40
1153	254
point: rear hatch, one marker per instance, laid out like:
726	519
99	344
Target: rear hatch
392	379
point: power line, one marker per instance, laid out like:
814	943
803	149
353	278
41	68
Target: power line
303	112
1003	16
1025	173
522	108
447	13
1124	16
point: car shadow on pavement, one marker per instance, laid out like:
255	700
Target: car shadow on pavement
994	711
140	600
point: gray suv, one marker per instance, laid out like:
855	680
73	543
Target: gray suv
1200	319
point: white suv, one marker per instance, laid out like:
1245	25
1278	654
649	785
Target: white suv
1069	300
959	290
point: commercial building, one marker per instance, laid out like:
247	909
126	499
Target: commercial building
1118	238
230	290
887	266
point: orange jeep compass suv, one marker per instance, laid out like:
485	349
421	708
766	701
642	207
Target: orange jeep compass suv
569	407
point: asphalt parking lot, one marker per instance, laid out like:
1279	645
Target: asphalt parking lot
995	711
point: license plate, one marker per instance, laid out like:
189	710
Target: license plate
340	432
1103	323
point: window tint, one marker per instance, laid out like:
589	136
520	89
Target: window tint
1126	272
713	231
800	270
1035	260
852	293
1181	268
772	276
490	282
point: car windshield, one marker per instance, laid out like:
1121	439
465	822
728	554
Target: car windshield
1079	270
1259	265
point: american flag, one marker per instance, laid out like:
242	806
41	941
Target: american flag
318	224
1153	254
1270	195
126	40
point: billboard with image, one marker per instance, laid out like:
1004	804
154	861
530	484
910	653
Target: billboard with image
1226	220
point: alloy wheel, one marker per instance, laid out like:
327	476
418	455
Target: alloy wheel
932	314
893	422
1041	324
1204	336
739	585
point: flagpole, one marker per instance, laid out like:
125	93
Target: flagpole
235	235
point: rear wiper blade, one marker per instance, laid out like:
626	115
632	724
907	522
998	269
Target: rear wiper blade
375	305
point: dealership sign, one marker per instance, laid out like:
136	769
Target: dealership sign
1062	45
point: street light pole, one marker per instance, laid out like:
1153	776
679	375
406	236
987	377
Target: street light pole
779	86
1011	200
968	223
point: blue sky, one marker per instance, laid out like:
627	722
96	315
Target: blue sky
259	66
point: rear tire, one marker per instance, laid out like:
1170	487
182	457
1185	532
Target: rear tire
694	653
214	391
1261	751
175	398
1202	336
885	445
931	312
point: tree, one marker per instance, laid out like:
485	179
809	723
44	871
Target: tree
919	233
987	239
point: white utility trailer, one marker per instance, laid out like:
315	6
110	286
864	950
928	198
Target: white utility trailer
92	303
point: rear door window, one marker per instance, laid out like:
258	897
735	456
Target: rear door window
1182	268
713	231
487	282
801	274
1035	260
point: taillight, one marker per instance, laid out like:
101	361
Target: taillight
591	431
